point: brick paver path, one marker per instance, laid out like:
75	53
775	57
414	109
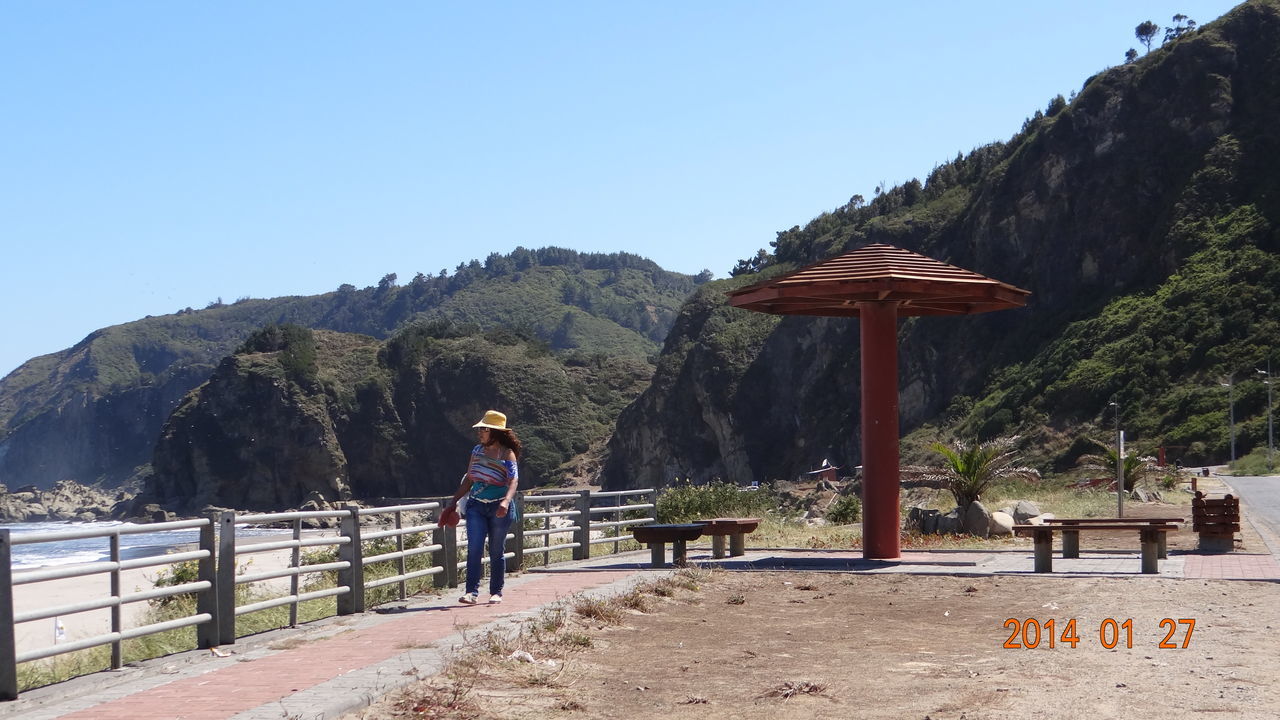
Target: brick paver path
241	686
1232	566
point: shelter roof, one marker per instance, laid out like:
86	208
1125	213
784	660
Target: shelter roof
879	273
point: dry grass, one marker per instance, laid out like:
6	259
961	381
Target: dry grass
789	689
537	653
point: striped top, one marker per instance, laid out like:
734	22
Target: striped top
489	477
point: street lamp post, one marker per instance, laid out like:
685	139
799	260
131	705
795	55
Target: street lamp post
1231	413
1119	463
1270	435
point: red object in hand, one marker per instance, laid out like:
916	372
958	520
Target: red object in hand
449	517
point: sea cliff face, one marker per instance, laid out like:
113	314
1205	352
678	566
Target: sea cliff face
373	419
1145	190
249	439
93	412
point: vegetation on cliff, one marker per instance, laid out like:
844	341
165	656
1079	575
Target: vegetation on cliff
94	411
298	415
1142	213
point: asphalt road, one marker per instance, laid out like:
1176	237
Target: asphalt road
1260	498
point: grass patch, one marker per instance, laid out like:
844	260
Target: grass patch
607	611
1255	463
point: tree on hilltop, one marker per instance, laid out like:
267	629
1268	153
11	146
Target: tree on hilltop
1146	33
1179	28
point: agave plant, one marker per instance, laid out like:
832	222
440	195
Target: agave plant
970	468
1135	468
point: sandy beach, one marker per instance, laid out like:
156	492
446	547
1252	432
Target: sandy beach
39	634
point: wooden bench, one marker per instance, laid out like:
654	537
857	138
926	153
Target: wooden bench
656	536
1149	534
735	529
1071	540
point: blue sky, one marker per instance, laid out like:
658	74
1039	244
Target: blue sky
160	155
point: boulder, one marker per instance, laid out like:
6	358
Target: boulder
1001	524
977	519
930	524
1023	510
917	517
949	524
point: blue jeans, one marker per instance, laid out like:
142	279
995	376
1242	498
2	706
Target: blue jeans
483	524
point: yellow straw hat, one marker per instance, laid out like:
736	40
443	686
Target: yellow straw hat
493	419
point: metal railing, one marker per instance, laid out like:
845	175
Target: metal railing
205	610
218	559
583	528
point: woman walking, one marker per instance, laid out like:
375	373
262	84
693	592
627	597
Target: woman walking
490	489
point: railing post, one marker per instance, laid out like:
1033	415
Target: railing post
617	517
351	602
8	647
451	556
653	500
207	600
295	561
116	619
400	563
438	559
516	544
546	537
582	551
226	586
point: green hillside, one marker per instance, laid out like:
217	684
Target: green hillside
93	412
1143	214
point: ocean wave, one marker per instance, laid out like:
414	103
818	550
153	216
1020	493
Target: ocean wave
84	550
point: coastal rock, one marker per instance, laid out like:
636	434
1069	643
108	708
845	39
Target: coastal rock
252	439
66	500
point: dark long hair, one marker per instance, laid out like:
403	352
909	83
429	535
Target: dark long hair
507	439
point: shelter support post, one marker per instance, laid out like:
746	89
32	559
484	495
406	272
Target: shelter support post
878	323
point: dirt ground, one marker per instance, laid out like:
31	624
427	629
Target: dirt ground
841	645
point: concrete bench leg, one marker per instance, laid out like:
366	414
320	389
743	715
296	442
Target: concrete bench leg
1070	543
658	554
717	546
738	544
678	556
1044	551
1161	550
1150	561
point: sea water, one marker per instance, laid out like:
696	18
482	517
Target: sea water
81	550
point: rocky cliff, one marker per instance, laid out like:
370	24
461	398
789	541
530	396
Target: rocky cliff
374	419
1130	212
92	413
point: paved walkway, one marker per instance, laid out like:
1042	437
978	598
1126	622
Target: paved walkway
329	668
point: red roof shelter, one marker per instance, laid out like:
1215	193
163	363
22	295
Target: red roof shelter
878	284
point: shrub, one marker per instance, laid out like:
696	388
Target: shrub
685	502
1255	463
970	468
845	510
